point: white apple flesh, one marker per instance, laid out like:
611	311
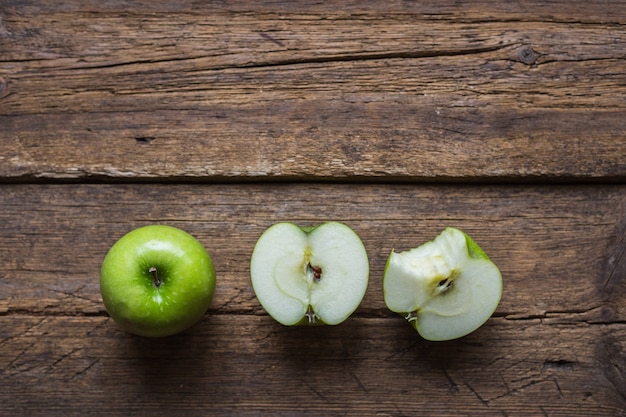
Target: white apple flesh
309	275
446	288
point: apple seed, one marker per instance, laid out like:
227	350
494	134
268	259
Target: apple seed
317	272
444	285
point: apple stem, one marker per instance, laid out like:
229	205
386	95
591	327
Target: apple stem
155	277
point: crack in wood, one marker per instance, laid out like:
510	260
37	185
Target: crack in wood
85	369
532	382
477	395
60	359
614	270
596	315
144	140
609	355
559	364
454	388
347	57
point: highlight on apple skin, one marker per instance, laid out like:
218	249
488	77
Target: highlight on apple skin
157	281
309	275
445	288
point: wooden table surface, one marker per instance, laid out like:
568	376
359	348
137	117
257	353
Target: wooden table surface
504	118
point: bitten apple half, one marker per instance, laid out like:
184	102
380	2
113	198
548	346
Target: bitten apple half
446	288
309	275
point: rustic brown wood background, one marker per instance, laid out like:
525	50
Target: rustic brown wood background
504	118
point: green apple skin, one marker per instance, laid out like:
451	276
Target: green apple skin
491	288
171	305
278	270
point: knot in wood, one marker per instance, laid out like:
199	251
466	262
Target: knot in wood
527	55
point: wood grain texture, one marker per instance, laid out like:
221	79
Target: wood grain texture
75	366
398	118
410	91
555	345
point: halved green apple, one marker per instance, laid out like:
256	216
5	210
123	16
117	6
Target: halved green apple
314	275
445	288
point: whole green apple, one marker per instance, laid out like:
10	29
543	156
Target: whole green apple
157	281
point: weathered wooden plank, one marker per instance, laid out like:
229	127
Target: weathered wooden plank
561	249
602	11
224	39
413	92
435	144
247	365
